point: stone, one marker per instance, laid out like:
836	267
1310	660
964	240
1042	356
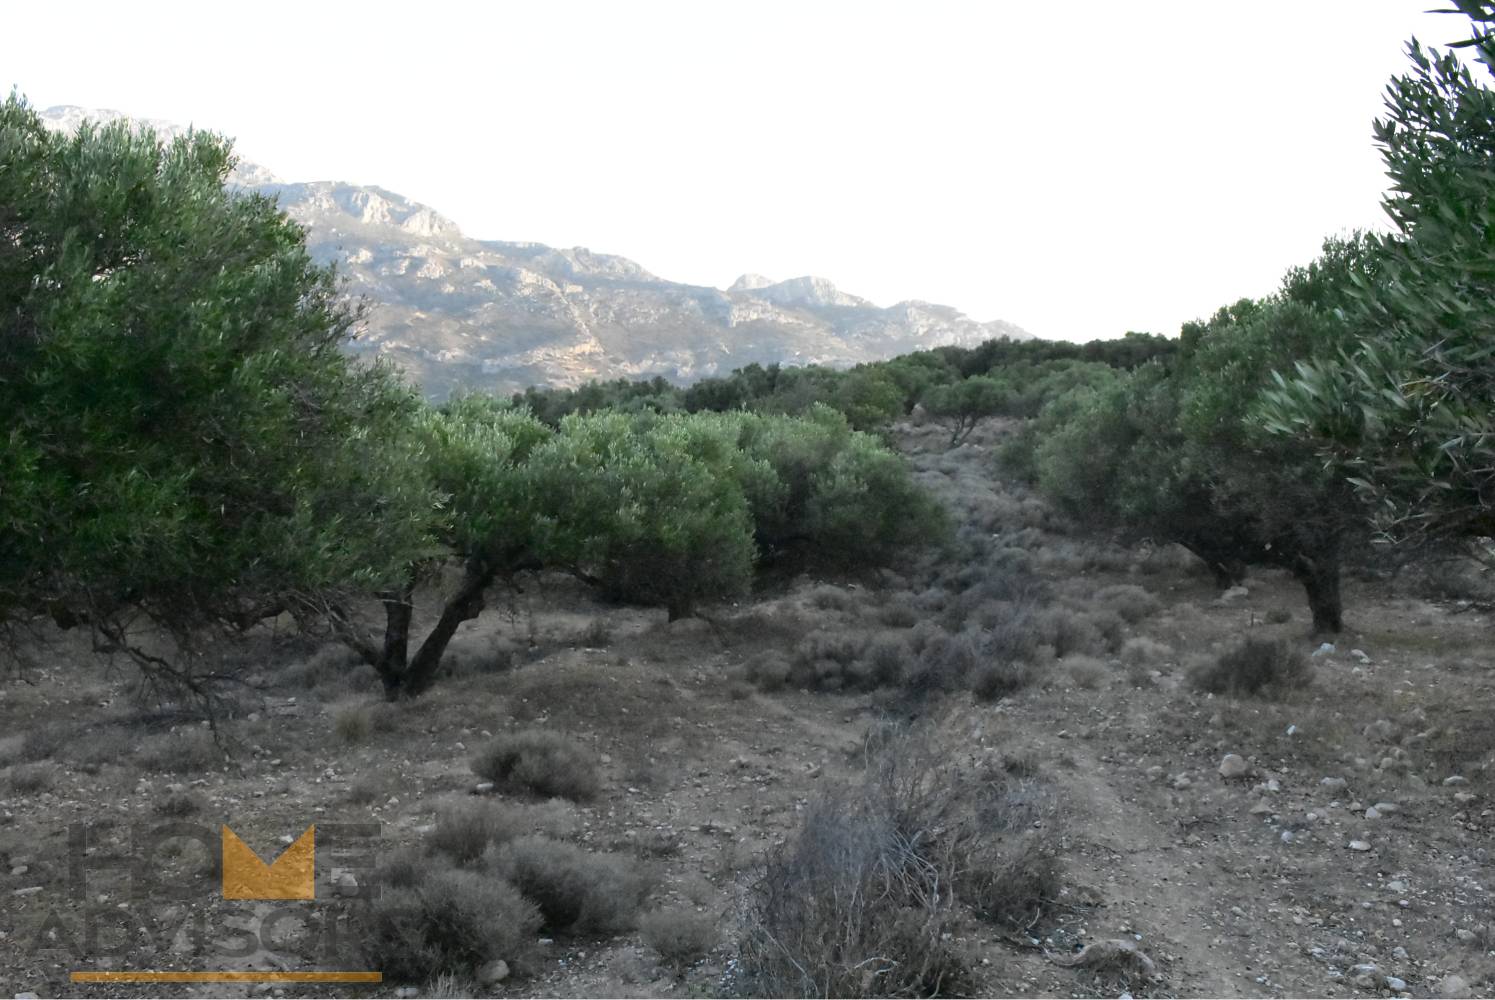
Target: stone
1372	813
1465	935
1396	885
27	996
1333	784
482	788
1396	985
1234	766
1386	808
1261	809
1455	779
1360	655
1464	798
1454	987
1327	649
1233	594
1381	730
407	993
1359	845
345	884
494	972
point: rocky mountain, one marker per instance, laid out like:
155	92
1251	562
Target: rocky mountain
460	312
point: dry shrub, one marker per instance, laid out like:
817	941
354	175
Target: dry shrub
826	661
368	789
886	661
28	779
680	936
468	657
1255	666
1131	602
900	611
465	828
353	724
997	679
1085	672
577	891
769	671
861	900
1140	651
828	597
180	751
540	762
597	635
406	867
450	922
946	663
327	666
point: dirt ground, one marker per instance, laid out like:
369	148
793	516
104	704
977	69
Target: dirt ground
1350	857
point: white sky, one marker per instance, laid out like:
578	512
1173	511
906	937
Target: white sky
1079	168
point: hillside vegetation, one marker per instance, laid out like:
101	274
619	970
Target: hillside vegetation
980	670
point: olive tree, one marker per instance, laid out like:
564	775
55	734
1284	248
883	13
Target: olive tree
1406	411
473	453
184	437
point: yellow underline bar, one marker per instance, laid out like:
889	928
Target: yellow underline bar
226	976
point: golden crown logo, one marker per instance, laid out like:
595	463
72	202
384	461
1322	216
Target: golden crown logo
290	876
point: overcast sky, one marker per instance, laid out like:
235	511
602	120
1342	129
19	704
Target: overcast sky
1078	168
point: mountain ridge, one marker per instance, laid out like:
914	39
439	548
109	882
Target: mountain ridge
459	312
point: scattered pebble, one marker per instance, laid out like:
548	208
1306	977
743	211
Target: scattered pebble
1359	845
1234	766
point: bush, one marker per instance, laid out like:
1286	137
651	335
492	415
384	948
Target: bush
1131	602
997	679
353	725
450	922
826	661
1140	651
465	828
1084	672
578	892
899	612
861	900
831	598
28	779
681	937
769	671
540	762
180	751
1255	666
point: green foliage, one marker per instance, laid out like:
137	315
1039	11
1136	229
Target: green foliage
1406	409
837	497
476	450
626	503
1174	453
183	431
965	404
